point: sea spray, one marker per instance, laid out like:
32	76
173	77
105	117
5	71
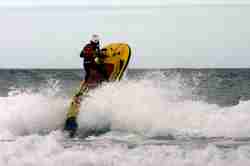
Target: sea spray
27	111
161	107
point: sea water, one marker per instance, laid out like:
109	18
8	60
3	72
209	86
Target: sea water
156	117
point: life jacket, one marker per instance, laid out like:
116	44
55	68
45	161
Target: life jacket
88	51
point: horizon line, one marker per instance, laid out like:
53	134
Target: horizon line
139	68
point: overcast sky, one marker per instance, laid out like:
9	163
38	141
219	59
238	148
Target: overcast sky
118	2
175	36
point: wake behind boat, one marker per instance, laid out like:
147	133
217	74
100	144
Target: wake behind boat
115	58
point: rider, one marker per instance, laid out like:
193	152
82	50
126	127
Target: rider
91	53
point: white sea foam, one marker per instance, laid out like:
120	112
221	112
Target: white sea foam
26	112
158	107
50	150
154	105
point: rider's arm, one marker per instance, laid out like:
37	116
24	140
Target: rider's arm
81	54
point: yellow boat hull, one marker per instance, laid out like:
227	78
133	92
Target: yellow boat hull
115	58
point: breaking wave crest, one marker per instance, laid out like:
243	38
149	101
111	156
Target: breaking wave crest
155	105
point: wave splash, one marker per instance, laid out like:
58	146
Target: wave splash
155	105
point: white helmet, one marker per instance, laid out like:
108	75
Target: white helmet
95	38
